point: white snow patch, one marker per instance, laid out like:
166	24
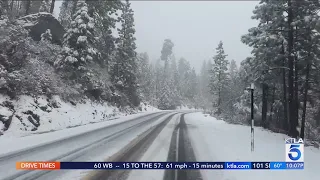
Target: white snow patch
51	118
82	39
71	59
148	108
307	18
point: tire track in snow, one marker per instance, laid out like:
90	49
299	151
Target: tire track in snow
132	154
181	151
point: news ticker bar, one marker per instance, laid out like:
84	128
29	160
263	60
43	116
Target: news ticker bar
159	165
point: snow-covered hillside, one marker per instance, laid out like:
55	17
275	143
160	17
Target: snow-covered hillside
29	115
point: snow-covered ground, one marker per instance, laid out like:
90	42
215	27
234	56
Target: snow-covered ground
215	140
41	115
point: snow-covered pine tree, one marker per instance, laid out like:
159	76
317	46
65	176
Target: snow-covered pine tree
184	70
205	95
157	80
124	68
233	69
45	6
307	54
203	84
144	76
67	9
78	50
166	98
3	9
174	81
191	88
174	71
269	42
219	76
106	17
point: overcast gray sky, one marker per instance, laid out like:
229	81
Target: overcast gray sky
195	27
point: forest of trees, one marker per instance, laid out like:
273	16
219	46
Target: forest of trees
92	62
284	65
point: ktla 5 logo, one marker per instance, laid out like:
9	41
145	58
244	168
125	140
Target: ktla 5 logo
294	150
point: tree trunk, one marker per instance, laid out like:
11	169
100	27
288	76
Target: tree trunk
219	101
306	87
272	102
293	121
296	90
11	5
285	121
28	4
296	85
52	6
264	104
4	4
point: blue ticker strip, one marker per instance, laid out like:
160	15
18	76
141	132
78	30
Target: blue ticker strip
184	165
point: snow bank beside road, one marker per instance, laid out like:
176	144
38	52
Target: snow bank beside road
40	115
215	140
18	143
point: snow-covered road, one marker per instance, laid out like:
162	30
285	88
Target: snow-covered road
168	136
85	145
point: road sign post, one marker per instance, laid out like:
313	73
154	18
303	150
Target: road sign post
251	89
252	118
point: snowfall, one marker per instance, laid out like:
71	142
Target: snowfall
212	140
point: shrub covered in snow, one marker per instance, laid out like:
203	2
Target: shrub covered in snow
47	36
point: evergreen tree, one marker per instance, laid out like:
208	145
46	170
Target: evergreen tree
281	59
67	10
204	92
3	9
158	80
184	70
106	16
45	6
78	49
192	85
233	69
124	68
219	75
144	76
167	97
173	81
